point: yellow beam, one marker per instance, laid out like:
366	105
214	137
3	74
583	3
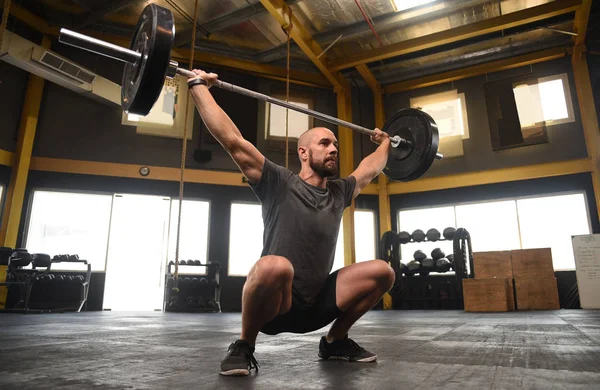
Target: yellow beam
468	179
11	217
6	158
263	70
589	118
344	112
477	70
281	12
470	30
370	189
582	16
369	78
132	171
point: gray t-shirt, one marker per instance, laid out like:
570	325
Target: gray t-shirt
301	223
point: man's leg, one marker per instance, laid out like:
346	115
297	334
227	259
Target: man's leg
267	293
358	288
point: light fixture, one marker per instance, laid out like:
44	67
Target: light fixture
401	5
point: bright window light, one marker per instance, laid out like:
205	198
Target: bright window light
549	222
298	122
338	261
493	226
245	237
193	236
70	223
448	109
364	235
402	5
546	102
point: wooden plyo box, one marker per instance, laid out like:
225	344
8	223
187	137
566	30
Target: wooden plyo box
537	294
486	295
532	263
496	264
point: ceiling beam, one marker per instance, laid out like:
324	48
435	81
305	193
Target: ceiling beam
263	70
582	16
279	10
477	70
222	22
468	179
109	7
369	78
266	71
471	30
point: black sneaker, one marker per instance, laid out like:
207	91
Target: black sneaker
239	359
345	349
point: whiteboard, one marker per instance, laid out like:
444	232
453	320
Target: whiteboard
586	249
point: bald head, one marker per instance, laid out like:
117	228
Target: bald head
309	135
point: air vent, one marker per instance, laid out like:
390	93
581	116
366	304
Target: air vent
67	68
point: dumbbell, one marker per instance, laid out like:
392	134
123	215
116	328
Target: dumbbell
449	233
404	237
427	266
419	255
442	265
437	253
197	262
433	235
412	267
418	235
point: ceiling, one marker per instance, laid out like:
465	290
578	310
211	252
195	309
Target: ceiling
395	44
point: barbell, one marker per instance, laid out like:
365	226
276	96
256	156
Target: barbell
413	133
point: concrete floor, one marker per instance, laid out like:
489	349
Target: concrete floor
417	350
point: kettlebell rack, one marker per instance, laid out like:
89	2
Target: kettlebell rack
196	292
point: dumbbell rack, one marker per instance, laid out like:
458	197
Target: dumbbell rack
40	273
419	287
196	292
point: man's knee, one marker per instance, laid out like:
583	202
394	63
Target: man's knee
273	270
386	276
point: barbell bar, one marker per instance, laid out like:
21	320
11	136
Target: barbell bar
107	49
413	133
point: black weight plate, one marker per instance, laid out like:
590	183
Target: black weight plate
406	163
143	81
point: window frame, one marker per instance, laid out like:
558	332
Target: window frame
515	199
208	236
438	98
564	77
229	274
28	215
275	142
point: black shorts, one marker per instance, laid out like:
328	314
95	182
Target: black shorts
303	317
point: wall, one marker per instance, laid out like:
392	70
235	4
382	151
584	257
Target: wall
566	141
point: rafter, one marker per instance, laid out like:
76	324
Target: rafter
471	30
279	10
477	70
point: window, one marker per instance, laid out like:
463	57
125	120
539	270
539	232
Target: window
549	222
493	226
543	101
245	237
70	223
298	122
365	239
541	222
193	236
449	111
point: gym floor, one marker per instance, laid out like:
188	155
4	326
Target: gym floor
417	349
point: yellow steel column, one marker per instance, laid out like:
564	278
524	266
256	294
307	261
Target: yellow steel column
589	117
344	112
385	213
13	205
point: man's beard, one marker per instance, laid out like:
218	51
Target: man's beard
322	169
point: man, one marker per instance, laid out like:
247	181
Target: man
289	289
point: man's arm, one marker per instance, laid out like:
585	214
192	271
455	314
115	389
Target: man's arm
246	156
373	164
